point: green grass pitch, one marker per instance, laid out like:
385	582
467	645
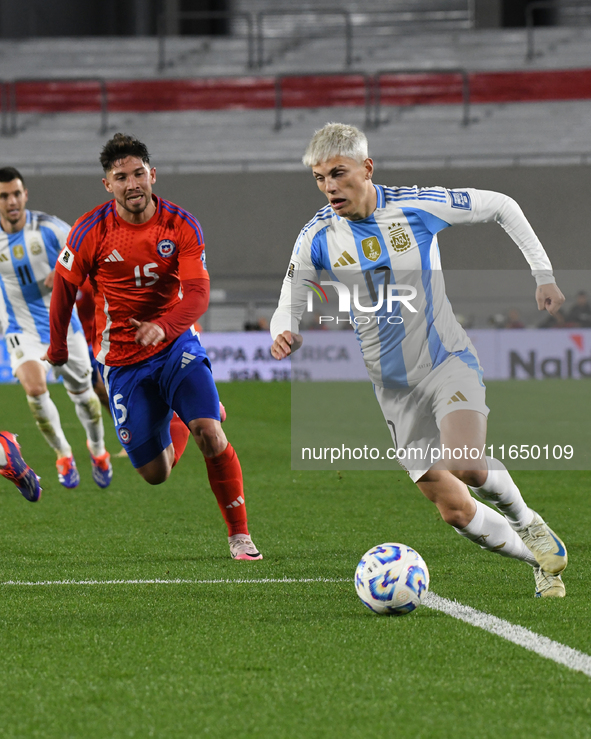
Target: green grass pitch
269	660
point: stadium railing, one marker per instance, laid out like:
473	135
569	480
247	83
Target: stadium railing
73	94
262	14
401	14
416	86
324	90
28	95
574	10
229	15
321	90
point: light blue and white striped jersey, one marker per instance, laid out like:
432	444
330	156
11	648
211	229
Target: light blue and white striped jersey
26	258
392	254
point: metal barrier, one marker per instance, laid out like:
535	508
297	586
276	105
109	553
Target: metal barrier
575	9
346	14
279	93
463	18
10	94
376	121
530	9
314	91
207	15
372	93
393	16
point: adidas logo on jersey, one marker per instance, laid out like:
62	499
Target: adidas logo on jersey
344	260
114	256
457	397
186	359
235	503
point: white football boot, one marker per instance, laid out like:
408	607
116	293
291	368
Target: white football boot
547	585
543	543
242	547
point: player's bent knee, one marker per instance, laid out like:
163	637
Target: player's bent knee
35	390
158	470
155	477
209	436
474	478
457	518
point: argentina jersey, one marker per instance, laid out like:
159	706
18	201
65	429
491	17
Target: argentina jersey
26	258
385	272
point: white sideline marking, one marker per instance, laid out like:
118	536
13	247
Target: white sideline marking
228	581
519	635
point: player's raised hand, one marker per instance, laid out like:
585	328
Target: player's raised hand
550	298
147	333
285	344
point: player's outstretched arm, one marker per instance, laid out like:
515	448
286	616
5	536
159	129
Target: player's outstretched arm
179	319
63	298
285	344
549	297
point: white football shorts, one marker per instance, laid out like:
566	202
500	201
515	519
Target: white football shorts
414	414
77	372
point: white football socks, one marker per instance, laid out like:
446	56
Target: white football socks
491	531
88	410
500	490
48	422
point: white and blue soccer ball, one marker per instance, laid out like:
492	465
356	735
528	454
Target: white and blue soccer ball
392	579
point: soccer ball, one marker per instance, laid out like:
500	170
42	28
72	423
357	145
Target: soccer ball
392	579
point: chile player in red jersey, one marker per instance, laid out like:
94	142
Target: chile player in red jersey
141	254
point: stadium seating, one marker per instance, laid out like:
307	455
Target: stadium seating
206	85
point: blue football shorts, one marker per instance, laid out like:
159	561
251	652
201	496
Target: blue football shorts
143	396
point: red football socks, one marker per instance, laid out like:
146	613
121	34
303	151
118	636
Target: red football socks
225	478
179	434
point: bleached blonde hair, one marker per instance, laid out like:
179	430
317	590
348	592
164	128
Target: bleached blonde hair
333	140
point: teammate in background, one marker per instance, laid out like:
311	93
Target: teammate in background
85	308
14	468
140	252
372	238
30	242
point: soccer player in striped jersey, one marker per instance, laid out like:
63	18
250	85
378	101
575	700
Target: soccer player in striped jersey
30	242
379	247
146	262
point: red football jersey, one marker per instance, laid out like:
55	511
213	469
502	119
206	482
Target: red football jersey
135	272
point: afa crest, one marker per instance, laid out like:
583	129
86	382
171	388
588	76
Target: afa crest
399	238
36	248
18	251
371	248
166	248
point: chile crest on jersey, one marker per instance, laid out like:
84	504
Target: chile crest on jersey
166	248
